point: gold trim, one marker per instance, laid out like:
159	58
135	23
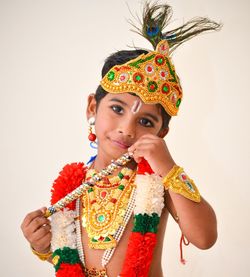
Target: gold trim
94	272
178	181
41	256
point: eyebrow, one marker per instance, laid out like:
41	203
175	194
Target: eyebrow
155	118
118	100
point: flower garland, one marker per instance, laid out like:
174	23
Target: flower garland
69	179
149	203
64	244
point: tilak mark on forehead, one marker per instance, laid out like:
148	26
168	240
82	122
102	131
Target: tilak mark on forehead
136	106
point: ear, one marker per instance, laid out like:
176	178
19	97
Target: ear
163	132
91	107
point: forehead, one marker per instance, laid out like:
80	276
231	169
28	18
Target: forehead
129	101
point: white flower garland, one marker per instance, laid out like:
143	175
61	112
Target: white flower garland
63	229
150	194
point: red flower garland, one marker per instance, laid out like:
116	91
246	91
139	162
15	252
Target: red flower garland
72	270
69	179
139	255
143	167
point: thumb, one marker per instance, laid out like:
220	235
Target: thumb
43	209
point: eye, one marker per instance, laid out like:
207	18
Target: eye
117	109
146	122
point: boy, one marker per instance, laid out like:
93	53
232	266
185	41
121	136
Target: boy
117	227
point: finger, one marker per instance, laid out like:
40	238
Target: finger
46	240
37	223
138	159
143	152
143	140
34	225
137	145
149	136
43	244
43	210
147	147
30	216
40	234
43	231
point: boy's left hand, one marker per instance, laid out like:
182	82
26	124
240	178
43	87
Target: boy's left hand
153	149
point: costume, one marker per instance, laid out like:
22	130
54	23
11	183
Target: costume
109	202
106	210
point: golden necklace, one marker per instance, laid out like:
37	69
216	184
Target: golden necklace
104	207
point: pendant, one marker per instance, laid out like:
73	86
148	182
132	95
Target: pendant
104	207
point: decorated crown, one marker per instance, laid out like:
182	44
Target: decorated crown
151	76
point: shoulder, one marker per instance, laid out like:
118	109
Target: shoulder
70	177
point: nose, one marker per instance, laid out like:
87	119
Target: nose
127	129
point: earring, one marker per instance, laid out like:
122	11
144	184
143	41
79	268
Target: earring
92	136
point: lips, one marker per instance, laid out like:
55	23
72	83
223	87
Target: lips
121	144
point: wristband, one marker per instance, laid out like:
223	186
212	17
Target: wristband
41	256
177	181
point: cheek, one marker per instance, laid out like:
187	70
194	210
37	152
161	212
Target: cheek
144	131
140	131
103	125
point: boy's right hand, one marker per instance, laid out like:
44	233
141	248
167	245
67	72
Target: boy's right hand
36	229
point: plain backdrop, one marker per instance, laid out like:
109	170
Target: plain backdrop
51	54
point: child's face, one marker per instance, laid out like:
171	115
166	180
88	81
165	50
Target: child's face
121	120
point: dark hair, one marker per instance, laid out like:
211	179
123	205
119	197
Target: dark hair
119	58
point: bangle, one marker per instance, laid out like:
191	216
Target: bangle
178	181
41	256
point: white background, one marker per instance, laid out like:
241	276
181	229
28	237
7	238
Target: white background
51	54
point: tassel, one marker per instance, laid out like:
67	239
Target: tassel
185	242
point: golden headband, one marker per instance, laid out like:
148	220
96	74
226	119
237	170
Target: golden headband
151	76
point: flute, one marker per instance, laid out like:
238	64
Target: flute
76	193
